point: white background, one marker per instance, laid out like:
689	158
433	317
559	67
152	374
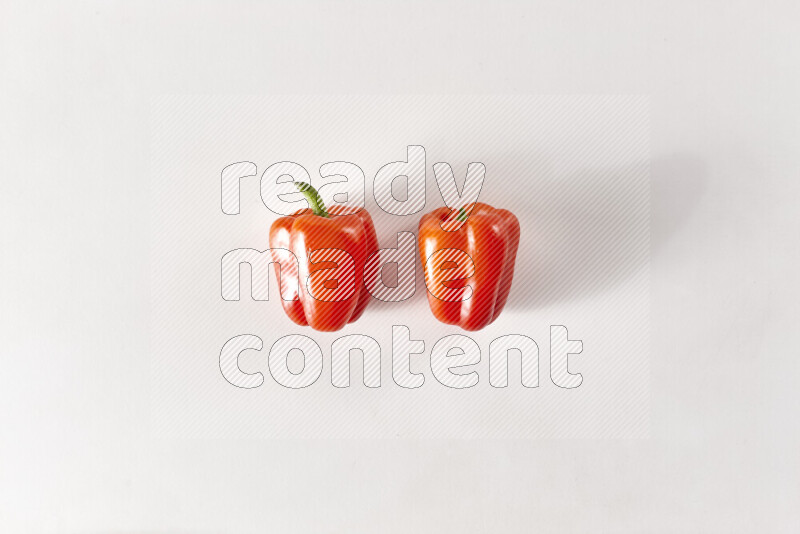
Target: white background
76	451
573	169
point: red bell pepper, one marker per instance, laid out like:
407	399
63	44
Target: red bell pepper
468	270
330	256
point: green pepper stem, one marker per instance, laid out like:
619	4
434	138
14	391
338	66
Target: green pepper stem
314	199
462	215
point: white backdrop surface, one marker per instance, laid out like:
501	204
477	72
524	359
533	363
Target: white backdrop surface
573	169
79	447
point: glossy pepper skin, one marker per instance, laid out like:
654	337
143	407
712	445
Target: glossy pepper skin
305	232
490	238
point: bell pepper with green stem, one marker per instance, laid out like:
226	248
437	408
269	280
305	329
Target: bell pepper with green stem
324	286
468	260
